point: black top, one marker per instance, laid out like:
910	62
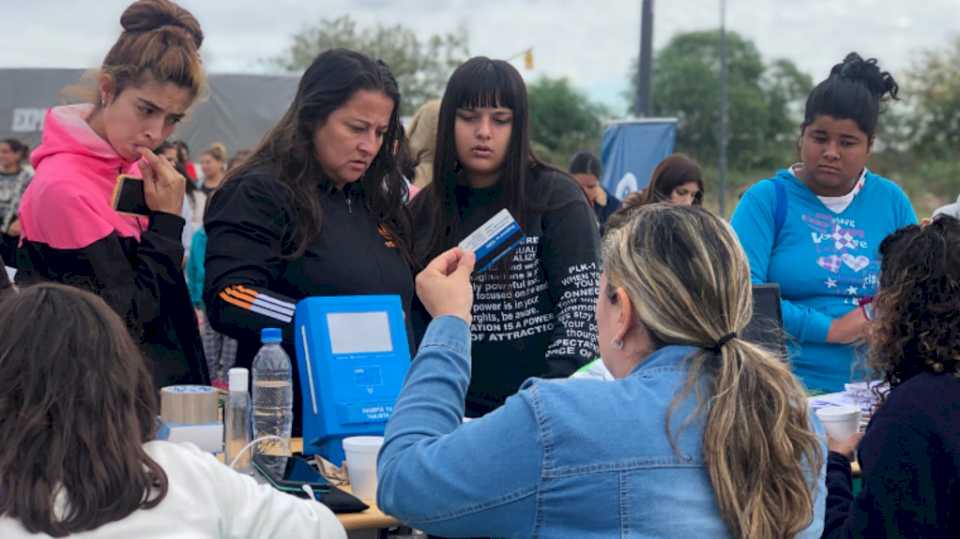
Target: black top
143	282
4	279
604	212
538	318
910	458
250	281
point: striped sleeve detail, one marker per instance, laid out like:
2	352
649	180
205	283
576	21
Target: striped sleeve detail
258	302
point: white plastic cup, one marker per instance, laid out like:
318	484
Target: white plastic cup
361	452
840	422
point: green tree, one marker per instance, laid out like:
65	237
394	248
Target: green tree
933	89
765	101
562	120
421	66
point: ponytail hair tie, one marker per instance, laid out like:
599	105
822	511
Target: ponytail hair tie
718	346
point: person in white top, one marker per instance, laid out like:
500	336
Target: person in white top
77	418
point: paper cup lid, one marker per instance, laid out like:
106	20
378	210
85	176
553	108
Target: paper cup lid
362	443
837	412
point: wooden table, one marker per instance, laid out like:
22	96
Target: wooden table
371	519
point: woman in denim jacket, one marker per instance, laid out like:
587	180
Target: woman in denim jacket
702	434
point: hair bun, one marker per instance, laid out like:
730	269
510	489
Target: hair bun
154	15
867	72
218	150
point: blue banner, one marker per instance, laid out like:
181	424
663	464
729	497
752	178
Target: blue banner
631	150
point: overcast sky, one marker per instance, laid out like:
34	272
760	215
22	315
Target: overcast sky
591	42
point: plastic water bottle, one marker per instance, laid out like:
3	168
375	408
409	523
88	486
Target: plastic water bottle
272	394
237	418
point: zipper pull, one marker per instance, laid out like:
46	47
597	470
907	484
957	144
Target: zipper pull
349	203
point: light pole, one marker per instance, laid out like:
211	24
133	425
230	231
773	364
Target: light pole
645	59
722	165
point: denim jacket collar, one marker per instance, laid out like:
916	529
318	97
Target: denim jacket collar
665	356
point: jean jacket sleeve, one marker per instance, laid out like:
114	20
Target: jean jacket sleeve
448	478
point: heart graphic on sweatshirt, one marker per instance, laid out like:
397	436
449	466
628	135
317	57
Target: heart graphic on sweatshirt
856	263
830	263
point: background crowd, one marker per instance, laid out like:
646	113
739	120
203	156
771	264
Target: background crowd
699	430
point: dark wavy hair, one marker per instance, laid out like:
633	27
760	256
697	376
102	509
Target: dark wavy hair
288	152
853	91
916	328
674	171
77	403
478	82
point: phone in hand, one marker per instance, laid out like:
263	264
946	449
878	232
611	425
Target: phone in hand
289	473
129	197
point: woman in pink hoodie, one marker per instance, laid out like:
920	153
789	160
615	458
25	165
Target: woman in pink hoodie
70	231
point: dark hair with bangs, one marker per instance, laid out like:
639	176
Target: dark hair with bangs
77	403
288	152
478	82
853	91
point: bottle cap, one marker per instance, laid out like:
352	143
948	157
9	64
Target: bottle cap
271	335
239	379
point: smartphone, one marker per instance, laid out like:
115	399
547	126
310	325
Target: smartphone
289	473
129	197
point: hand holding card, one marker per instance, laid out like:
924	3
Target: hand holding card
494	240
444	285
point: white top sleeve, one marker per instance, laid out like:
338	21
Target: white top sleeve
251	510
207	500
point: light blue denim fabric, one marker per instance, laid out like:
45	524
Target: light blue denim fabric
562	458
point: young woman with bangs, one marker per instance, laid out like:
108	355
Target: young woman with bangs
534	313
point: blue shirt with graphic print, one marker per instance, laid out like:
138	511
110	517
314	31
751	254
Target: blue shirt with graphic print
824	262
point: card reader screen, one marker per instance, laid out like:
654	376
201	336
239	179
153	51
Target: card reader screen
359	333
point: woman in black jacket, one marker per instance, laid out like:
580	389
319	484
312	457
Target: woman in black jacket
533	313
316	210
910	453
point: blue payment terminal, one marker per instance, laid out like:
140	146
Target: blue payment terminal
352	356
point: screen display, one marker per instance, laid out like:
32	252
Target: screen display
359	333
289	471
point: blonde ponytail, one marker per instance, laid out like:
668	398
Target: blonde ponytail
689	282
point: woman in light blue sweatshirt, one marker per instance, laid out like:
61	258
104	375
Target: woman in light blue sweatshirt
815	227
678	445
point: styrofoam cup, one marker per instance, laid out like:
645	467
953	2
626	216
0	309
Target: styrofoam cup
840	422
361	452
